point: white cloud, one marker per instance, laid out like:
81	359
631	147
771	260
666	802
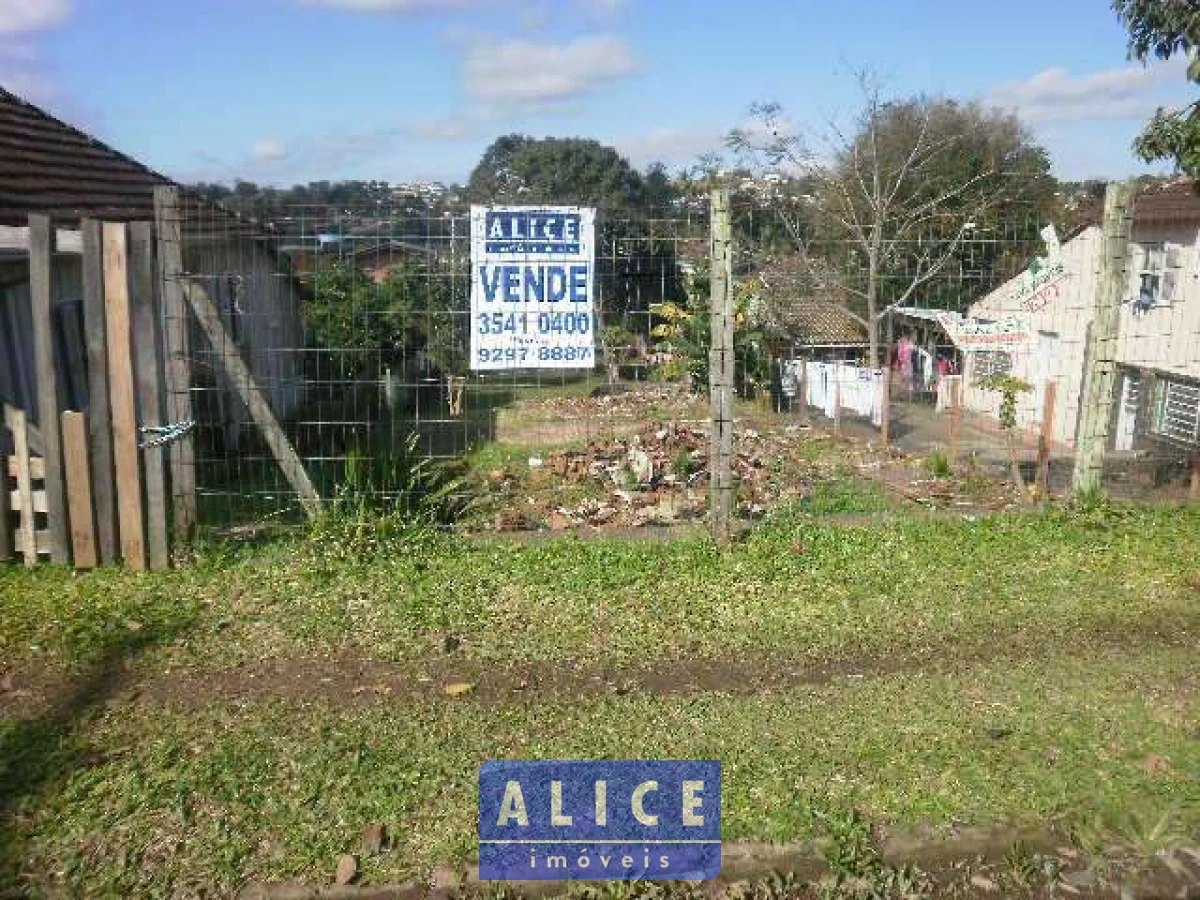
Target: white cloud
527	72
268	150
32	15
1053	95
670	146
458	127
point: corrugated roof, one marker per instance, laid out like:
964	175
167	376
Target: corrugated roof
822	322
48	166
52	168
1174	202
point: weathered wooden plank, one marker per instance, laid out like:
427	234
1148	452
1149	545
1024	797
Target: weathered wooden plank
72	347
36	444
178	366
1045	436
37	468
17	504
122	398
79	489
99	419
885	403
7	528
41	545
242	379
1100	373
41	302
15	420
148	374
16	237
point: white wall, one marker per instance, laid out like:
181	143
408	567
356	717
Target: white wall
1057	316
1166	338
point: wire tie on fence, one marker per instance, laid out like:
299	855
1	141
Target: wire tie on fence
165	434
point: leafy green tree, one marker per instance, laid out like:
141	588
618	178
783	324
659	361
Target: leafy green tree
363	326
521	169
897	202
1163	29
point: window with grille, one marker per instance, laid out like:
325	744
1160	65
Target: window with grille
992	364
1177	411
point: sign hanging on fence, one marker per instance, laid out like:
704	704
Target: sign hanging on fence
532	287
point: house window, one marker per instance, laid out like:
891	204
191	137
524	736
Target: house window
1177	411
992	364
1154	276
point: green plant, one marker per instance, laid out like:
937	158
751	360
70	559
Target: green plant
685	330
363	324
937	464
620	348
682	464
1009	387
843	496
1091	499
1135	838
390	495
856	868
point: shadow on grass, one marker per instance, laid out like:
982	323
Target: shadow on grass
39	754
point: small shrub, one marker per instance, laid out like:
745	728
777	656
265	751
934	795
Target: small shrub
396	496
682	464
937	464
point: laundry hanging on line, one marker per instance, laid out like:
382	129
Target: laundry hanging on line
857	389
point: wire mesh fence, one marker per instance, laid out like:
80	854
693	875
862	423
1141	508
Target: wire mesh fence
948	370
355	323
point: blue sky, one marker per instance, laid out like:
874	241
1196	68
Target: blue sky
293	90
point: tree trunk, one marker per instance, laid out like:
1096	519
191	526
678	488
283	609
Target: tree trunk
1014	460
873	302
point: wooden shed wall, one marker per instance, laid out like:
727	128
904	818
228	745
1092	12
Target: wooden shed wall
261	306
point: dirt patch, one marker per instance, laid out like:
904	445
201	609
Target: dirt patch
347	678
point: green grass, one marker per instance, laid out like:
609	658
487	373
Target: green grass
1010	669
797	589
270	790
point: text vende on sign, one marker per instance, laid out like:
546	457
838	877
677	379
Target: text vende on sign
532	287
600	819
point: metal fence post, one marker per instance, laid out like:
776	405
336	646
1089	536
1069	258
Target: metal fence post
720	369
1100	377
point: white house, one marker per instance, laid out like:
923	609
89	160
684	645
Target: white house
1159	339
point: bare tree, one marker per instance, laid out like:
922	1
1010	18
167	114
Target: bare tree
902	193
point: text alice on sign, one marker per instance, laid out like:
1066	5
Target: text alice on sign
513	808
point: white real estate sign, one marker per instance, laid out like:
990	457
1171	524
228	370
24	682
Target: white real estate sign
532	287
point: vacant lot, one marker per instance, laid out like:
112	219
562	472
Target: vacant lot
246	718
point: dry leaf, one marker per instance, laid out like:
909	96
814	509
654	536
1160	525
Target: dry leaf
1156	765
458	688
347	869
984	884
373	839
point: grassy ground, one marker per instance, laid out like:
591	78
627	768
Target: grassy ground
1031	669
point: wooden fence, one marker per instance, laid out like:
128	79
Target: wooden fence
114	482
81	487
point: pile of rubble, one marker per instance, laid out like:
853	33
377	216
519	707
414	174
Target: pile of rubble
657	476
